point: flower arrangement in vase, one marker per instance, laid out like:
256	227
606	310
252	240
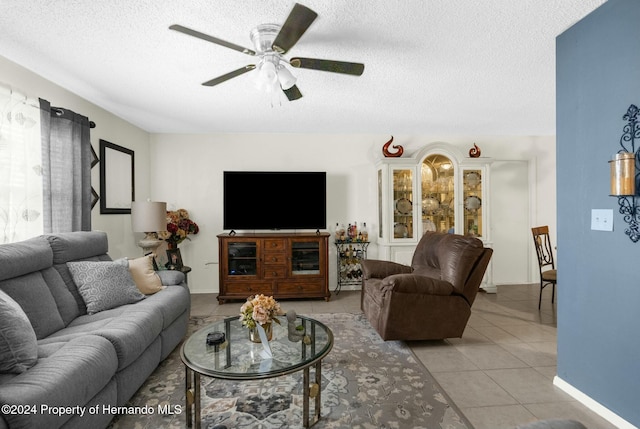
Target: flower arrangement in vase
262	310
179	226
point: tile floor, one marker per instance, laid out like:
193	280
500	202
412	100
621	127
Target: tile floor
499	373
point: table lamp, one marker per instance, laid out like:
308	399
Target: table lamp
149	217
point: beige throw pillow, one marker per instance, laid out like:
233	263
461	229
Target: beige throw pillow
144	276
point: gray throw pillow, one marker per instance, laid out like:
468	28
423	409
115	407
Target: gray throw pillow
104	284
18	343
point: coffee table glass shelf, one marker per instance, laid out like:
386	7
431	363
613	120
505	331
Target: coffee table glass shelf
240	359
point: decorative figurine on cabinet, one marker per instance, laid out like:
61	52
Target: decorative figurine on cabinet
474	152
397	154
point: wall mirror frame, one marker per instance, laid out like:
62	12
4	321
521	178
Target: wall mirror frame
117	172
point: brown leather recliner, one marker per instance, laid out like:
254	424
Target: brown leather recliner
432	298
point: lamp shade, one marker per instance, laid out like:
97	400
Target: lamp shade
148	216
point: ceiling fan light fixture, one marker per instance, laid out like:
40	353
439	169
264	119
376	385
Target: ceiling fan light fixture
267	77
287	80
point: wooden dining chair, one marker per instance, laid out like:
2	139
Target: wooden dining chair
548	272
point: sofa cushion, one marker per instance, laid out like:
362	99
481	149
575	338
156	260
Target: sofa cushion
104	285
32	293
66	277
131	329
18	343
70	376
145	278
65	301
70	246
170	302
24	257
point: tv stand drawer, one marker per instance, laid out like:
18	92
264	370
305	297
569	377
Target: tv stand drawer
300	288
274	272
247	289
275	258
271	244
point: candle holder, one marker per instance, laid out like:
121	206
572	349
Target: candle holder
624	174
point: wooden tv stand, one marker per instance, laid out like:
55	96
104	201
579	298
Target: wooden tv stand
285	265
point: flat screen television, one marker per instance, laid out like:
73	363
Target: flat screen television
272	200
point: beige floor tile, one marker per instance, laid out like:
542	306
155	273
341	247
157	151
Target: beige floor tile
443	359
548	371
534	354
475	320
528	386
497	334
498	417
531	332
473	389
490	356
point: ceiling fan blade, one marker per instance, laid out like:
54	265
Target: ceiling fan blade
355	69
293	28
292	93
211	39
230	75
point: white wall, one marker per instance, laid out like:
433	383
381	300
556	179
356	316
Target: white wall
108	127
186	171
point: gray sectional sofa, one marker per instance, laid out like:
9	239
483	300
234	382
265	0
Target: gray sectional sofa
61	366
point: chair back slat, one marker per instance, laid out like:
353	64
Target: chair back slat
544	250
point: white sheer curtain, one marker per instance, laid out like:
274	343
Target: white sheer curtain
21	203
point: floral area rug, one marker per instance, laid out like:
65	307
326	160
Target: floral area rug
367	383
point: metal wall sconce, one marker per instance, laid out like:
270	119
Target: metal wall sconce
624	174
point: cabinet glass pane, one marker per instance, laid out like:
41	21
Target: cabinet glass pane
402	203
438	204
305	257
242	258
472	193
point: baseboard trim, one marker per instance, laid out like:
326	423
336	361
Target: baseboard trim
592	404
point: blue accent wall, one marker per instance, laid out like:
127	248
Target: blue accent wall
597	78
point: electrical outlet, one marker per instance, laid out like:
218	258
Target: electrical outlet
602	219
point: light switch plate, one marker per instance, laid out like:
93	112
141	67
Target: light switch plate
602	219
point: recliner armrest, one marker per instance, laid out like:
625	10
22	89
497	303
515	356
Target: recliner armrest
377	269
411	283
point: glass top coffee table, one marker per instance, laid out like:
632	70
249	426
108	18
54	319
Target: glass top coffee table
240	359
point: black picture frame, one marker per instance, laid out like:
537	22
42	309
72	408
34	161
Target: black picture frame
117	173
175	259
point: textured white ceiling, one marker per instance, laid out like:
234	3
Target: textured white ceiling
464	67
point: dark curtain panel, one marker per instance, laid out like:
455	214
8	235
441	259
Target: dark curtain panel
66	164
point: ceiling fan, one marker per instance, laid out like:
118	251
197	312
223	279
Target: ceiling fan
271	42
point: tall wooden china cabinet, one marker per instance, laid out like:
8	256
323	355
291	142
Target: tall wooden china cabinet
436	189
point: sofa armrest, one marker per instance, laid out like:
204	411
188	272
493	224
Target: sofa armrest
376	269
171	277
411	283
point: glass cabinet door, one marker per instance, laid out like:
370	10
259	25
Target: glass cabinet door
243	258
403	203
472	198
305	257
438	202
